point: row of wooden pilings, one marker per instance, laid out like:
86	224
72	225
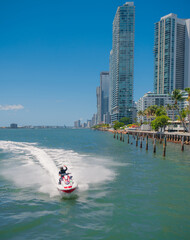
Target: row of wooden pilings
158	136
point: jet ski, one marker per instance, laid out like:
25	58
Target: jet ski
67	184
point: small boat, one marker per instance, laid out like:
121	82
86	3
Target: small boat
67	184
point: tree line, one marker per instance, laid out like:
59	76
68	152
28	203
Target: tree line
157	115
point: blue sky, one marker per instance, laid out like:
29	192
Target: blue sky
52	53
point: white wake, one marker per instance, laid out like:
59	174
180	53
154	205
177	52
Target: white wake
29	165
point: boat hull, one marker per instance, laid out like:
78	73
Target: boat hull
67	190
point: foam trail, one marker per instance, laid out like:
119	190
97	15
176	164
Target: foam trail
31	150
37	166
33	167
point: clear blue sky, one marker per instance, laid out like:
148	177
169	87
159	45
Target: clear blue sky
52	53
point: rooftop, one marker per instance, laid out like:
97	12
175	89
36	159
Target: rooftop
129	3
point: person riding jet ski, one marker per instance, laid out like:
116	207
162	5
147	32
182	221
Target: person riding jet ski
62	173
63	170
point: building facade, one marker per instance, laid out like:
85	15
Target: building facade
171	54
102	93
13	125
77	124
111	82
104	85
122	62
98	97
94	120
89	123
150	99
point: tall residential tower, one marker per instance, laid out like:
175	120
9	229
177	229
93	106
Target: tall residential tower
122	63
102	94
171	54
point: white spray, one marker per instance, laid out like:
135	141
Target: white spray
35	166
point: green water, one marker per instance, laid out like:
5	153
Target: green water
124	192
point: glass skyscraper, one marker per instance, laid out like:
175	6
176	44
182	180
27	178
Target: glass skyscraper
171	54
122	63
104	85
102	94
98	97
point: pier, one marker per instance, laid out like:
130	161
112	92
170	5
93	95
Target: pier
175	137
161	137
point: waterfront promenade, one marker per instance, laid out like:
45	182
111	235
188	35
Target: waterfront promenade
175	137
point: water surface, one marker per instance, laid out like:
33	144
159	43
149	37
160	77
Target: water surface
124	192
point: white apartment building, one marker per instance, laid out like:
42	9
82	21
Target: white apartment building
150	99
171	54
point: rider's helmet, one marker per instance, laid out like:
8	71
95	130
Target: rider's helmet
61	168
64	167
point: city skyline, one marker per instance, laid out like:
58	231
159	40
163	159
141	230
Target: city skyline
50	63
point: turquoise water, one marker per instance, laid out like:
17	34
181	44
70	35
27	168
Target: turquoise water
124	192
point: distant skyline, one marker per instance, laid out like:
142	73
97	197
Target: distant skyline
52	53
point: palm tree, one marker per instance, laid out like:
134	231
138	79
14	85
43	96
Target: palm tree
154	108
147	113
140	114
160	111
171	107
183	113
188	108
150	112
177	97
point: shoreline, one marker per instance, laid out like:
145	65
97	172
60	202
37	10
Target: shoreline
175	137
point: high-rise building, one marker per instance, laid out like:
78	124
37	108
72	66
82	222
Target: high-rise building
94	120
111	82
98	96
171	54
104	85
77	124
102	93
89	123
122	62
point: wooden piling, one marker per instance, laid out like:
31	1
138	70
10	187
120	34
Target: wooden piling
140	142
160	138
164	147
182	144
154	146
128	138
146	142
137	141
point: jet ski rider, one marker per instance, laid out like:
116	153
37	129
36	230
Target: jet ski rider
62	173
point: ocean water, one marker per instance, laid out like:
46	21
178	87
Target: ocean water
123	191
